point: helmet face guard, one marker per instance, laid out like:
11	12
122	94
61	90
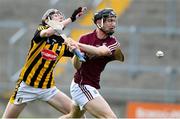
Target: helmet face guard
108	12
103	15
49	13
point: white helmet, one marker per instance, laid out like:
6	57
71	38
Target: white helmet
49	12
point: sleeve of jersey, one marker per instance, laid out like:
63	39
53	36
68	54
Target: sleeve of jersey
113	45
37	38
115	49
83	40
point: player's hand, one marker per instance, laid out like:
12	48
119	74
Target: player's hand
118	55
71	44
77	13
48	20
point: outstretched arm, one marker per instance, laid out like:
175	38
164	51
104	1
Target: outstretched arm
102	51
61	25
99	51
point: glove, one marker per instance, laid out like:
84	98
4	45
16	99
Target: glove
77	13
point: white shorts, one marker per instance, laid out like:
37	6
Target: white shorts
26	93
82	94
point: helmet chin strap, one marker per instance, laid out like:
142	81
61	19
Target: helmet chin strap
100	26
102	29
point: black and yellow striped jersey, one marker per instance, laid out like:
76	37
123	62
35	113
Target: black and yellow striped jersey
42	57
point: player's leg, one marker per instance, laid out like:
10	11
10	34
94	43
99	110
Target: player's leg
75	113
61	102
13	110
17	101
98	107
89	98
57	99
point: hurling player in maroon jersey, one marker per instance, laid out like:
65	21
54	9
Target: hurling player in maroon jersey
100	47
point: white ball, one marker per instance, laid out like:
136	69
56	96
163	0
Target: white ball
159	53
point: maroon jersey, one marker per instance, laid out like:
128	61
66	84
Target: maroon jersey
90	71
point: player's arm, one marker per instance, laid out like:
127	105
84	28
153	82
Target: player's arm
38	34
99	51
76	14
50	31
61	25
104	51
112	49
118	55
47	32
76	63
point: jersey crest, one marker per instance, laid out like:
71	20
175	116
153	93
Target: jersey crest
48	55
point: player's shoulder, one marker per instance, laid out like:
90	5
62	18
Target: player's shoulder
41	27
112	39
88	34
86	37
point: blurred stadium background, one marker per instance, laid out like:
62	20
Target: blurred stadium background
144	26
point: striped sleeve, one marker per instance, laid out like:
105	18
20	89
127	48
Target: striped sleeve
37	37
40	28
114	44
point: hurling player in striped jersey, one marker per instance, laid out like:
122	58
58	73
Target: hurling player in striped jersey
36	80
